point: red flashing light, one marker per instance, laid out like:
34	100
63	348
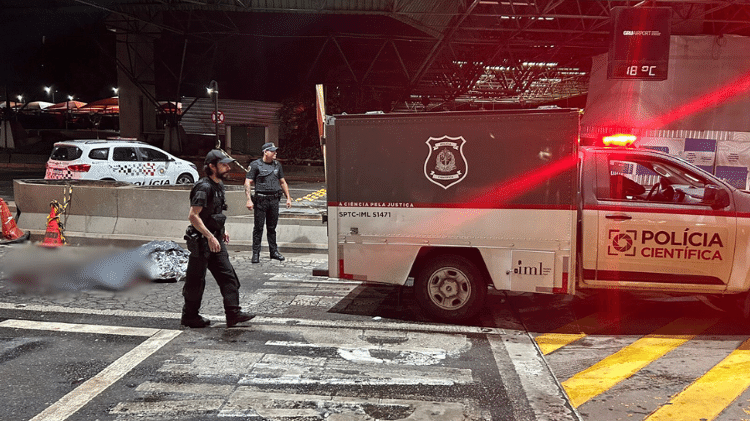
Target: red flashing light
79	167
619	140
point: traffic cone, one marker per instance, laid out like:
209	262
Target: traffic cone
10	229
53	237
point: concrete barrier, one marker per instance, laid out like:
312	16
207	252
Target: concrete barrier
109	212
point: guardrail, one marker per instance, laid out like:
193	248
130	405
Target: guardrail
115	213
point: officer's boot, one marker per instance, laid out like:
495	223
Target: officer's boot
190	316
237	316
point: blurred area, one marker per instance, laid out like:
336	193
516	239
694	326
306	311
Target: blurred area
33	269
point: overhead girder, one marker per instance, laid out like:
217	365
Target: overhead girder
464	50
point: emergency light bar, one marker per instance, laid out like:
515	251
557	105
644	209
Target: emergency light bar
619	140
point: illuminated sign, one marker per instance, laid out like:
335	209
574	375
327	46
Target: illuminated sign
639	48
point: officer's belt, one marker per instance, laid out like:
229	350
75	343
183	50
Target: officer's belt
267	194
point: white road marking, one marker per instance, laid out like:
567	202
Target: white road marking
544	394
149	409
203	390
253	402
80	396
91	311
404	358
420	327
338	372
78	328
309	279
212	362
436	345
274	369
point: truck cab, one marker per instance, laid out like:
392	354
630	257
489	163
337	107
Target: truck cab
653	222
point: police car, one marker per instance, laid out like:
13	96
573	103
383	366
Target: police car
118	160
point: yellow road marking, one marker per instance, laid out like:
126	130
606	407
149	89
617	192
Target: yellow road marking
313	196
619	366
708	396
552	341
571	332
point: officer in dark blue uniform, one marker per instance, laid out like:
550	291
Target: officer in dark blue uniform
206	240
268	177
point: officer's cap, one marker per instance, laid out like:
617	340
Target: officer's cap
218	156
269	147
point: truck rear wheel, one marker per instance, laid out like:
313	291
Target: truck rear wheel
450	288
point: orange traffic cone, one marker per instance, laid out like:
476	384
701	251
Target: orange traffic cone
53	237
10	229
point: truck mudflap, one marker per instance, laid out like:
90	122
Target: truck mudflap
563	287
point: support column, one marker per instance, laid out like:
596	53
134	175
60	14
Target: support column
136	76
6	135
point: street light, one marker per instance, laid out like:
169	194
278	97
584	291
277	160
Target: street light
213	90
116	90
67	109
50	92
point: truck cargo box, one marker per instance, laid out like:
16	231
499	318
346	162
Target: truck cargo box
408	190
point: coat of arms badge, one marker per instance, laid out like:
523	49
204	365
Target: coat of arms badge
445	164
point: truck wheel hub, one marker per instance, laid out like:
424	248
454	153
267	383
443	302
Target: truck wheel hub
449	288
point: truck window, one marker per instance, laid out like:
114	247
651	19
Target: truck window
649	179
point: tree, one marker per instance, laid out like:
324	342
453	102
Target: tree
298	131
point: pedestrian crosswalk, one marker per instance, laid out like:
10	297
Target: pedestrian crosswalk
653	362
687	368
304	373
278	368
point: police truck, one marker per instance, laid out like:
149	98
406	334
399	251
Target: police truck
466	201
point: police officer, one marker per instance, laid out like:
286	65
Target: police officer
206	240
268	177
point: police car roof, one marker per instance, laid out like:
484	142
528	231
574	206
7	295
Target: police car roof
100	141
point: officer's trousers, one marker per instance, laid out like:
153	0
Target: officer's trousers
195	281
266	211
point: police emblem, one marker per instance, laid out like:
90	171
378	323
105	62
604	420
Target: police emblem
445	164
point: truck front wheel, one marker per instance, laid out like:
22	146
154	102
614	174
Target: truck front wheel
450	288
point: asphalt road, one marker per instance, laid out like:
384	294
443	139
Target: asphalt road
341	350
319	349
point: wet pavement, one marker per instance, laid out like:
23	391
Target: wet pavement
319	349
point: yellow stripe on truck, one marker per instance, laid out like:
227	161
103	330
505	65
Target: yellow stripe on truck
619	366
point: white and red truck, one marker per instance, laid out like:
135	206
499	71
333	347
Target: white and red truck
462	201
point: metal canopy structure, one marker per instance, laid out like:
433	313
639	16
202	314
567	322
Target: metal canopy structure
415	54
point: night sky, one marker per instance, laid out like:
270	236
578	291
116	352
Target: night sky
267	57
59	47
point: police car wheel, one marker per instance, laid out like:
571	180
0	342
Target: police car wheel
185	179
450	288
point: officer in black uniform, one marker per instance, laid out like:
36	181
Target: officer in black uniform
267	175
206	240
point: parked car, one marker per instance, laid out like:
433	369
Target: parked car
118	160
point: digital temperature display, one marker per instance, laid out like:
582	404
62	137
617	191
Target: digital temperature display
640	43
642	70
